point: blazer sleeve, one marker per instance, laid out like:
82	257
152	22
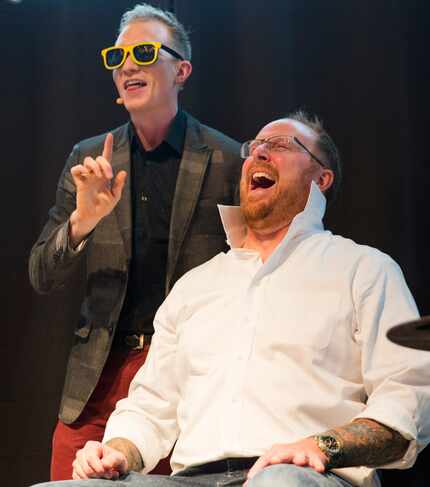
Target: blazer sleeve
52	260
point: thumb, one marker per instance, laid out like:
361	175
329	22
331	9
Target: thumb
118	184
115	460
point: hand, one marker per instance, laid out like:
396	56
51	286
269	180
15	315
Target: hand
304	453
96	193
96	460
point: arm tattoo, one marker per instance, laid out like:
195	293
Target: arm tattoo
134	459
365	442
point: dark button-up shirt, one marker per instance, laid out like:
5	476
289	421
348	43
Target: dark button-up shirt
153	182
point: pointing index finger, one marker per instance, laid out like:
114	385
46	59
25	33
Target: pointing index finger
107	148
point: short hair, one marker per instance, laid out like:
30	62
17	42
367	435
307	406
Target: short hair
144	11
326	146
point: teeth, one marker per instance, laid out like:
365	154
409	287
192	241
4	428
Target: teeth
134	83
262	175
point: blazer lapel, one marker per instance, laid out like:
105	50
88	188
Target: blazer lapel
192	169
121	161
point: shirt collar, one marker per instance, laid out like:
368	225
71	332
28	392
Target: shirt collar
175	136
309	219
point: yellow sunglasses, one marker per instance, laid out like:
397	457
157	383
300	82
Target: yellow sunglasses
142	54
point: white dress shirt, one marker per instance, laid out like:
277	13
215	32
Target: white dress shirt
247	354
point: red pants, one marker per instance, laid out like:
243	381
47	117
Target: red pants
113	385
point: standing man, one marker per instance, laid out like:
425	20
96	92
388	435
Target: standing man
135	209
283	374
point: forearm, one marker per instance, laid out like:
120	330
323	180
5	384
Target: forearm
80	229
365	442
50	263
129	450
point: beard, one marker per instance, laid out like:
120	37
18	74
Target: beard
276	209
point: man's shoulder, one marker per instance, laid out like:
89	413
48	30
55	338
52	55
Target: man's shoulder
212	137
96	142
361	255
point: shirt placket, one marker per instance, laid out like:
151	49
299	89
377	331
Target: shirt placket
240	353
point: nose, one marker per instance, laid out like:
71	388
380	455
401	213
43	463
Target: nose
129	65
261	152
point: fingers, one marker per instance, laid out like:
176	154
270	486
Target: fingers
258	465
79	173
301	454
108	147
87	463
95	465
299	458
316	463
105	167
78	472
118	185
114	462
96	460
98	167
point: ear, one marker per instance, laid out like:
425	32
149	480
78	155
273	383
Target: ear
325	179
183	72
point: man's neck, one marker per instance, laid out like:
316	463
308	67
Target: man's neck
264	241
152	127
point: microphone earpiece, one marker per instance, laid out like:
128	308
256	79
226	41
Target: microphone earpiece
119	101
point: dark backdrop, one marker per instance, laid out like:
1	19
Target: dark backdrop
362	65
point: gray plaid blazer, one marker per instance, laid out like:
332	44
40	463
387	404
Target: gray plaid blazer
208	174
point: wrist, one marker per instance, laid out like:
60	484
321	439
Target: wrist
79	229
332	448
132	456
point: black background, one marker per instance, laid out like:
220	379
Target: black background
362	65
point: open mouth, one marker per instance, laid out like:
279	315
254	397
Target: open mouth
133	84
261	180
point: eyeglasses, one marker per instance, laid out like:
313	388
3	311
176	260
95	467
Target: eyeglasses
142	54
277	143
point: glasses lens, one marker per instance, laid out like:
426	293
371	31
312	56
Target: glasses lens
114	57
244	150
144	53
248	147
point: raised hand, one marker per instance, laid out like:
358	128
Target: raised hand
97	460
304	453
97	192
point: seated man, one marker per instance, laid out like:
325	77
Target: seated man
270	363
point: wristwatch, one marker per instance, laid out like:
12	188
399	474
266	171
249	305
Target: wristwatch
331	447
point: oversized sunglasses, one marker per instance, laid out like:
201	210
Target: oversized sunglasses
142	54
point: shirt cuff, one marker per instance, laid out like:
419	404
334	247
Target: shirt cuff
63	241
131	428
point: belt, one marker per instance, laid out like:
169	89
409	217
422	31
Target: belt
134	341
220	466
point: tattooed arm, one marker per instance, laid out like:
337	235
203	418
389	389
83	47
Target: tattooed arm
365	442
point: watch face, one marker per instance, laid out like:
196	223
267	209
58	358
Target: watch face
332	449
332	443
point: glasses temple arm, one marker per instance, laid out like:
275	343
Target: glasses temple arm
172	52
309	152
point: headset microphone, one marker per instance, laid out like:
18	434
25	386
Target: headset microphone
119	101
